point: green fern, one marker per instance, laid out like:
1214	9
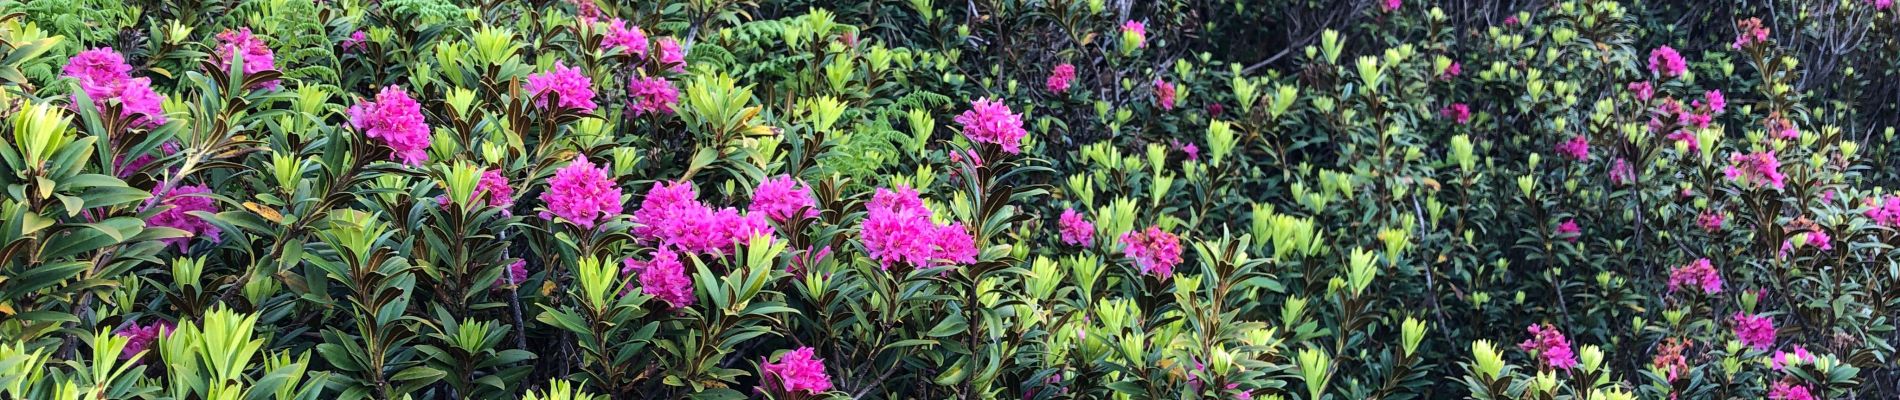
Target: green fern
302	45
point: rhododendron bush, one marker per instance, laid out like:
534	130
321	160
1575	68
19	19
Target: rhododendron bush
1045	199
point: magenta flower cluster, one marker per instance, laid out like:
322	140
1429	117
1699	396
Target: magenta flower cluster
581	194
1138	30
652	95
142	337
1164	94
619	36
513	275
897	229
672	217
396	120
1756	331
990	121
1059	79
1075	229
257	55
663	277
104	75
182	201
1667	62
783	198
1458	112
1550	346
1577	148
571	85
1700	273
797	371
1884	211
1755	169
671	55
1155	251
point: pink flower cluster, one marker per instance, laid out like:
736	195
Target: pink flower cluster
992	122
1759	169
1884	212
1568	230
619	36
1458	112
573	87
663	277
139	338
1621	173
1783	359
257	56
897	229
673	217
652	95
1139	30
796	371
183	200
1782	390
496	186
1749	32
1187	148
672	55
1756	331
1155	251
1700	273
1881	5
1390	5
1452	71
1577	148
104	75
782	198
1164	94
1551	346
513	275
1643	90
581	194
396	119
357	41
1075	229
1059	79
1710	220
1666	61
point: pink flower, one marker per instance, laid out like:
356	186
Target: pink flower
1716	102
357	41
514	275
140	338
1756	169
619	36
672	55
1666	61
1452	71
1059	79
1568	230
1820	240
586	9
795	371
1700	273
672	216
1155	251
1390	5
1510	20
1710	221
1577	148
581	194
257	56
783	198
396	119
1458	112
1164	94
992	122
1643	90
1884	212
1075	229
1139	30
663	277
496	186
1685	137
182	201
1193	152
104	75
1782	390
573	87
1783	359
652	95
1782	128
897	229
1550	346
1756	331
1750	31
1621	173
1882	5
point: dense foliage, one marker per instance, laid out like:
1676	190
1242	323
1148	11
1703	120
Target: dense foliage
1277	199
